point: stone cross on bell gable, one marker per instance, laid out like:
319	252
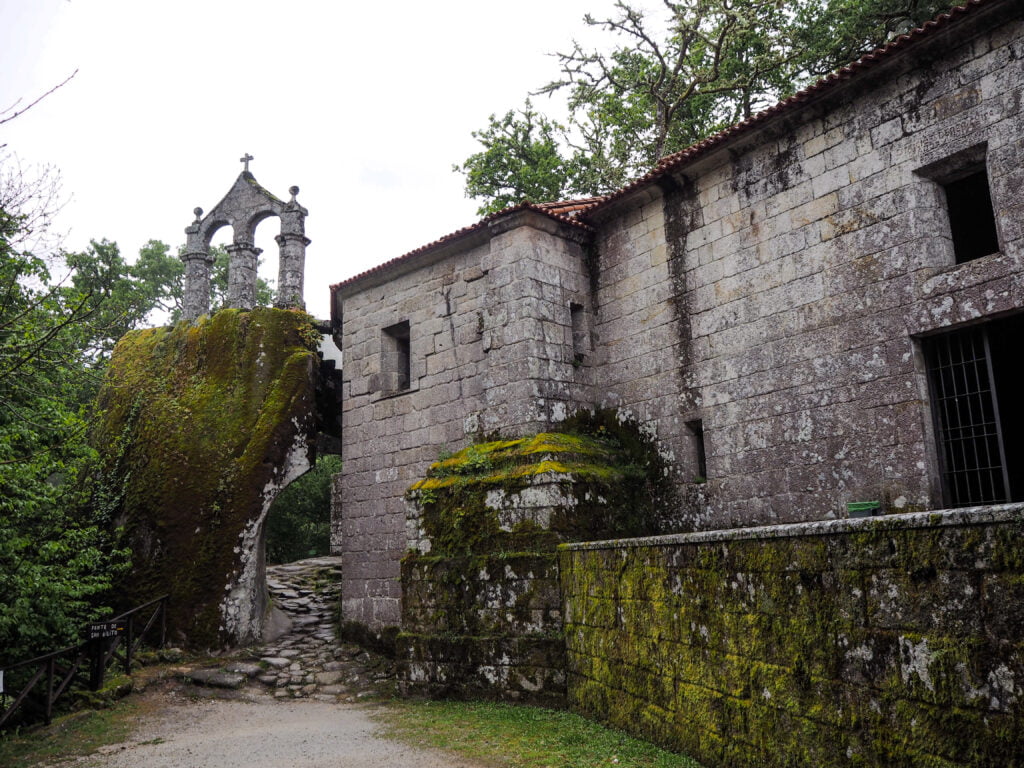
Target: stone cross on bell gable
245	159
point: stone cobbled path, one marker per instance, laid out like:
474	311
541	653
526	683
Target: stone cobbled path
308	660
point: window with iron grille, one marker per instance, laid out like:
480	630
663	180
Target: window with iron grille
974	377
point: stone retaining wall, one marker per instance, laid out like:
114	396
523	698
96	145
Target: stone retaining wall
483	626
890	641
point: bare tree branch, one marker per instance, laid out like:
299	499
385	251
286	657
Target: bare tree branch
5	117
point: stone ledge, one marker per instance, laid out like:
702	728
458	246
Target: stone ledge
987	515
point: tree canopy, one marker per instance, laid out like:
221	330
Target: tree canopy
60	316
662	85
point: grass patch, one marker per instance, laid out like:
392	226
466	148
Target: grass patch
522	737
74	735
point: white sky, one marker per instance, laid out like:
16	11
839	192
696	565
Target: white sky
365	106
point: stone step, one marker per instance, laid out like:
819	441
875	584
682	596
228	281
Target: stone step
216	678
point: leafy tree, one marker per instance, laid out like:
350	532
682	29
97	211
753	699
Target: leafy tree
299	521
55	562
521	160
841	31
659	91
60	316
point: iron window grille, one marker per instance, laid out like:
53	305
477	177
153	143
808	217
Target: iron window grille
972	454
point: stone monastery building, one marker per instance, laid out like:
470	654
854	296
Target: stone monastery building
818	307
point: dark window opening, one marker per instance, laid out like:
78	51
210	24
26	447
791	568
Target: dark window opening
395	356
696	428
974	375
579	332
971	218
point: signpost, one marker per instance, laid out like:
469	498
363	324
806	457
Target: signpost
100	630
100	633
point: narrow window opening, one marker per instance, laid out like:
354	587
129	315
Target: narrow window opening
579	332
974	375
696	428
972	220
395	357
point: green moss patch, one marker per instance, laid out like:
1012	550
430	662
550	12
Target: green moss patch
193	425
604	479
872	648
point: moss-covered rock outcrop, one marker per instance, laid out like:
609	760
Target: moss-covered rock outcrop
598	478
198	426
481	607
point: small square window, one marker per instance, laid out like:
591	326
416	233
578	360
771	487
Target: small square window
971	218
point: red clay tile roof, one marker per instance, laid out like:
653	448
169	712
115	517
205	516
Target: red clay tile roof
579	209
570	207
526	205
794	102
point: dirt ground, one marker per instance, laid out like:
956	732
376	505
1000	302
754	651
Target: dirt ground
259	732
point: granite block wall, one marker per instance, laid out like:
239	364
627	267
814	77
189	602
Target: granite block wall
483	626
489	347
874	642
778	289
391	436
761	312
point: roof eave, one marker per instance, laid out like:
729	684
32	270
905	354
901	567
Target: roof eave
882	60
520	215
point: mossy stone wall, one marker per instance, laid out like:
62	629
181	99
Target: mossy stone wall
198	426
483	626
895	641
481	605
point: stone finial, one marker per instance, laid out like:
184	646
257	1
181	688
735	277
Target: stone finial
245	159
198	214
293	191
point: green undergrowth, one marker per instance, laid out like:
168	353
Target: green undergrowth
72	736
516	736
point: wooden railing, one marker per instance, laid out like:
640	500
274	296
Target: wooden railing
55	673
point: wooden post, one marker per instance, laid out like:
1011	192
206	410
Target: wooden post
129	640
49	687
96	653
163	622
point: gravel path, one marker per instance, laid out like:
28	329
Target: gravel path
263	733
297	702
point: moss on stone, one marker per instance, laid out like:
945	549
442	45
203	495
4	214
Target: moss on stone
606	480
193	425
862	649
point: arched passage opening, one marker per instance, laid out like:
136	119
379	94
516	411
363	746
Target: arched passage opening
298	525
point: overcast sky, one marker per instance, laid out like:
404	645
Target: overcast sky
365	106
